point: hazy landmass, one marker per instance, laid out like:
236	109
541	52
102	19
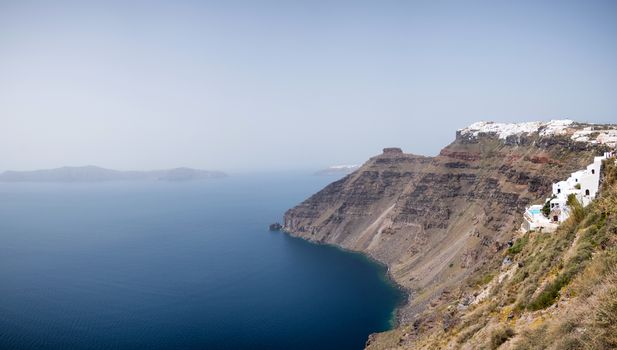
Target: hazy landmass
98	174
338	170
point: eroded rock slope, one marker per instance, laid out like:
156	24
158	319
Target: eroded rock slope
435	220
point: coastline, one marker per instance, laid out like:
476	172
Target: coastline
396	318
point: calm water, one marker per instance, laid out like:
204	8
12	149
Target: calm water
178	266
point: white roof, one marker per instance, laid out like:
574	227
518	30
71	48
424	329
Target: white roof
587	134
503	130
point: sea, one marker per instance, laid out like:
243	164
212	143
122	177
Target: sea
179	265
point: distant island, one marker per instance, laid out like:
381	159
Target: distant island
338	170
97	174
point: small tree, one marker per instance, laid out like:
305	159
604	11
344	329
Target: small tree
546	209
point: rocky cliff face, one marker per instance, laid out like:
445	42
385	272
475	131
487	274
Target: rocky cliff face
553	291
435	220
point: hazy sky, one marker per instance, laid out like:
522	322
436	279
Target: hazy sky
241	85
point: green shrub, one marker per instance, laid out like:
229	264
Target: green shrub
546	209
518	245
483	279
500	336
550	293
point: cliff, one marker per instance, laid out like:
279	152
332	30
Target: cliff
437	221
546	291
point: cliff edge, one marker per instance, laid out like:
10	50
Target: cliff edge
437	221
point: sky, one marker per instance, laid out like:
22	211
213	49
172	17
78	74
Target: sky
285	85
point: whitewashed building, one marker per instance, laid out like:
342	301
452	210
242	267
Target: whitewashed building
596	135
583	184
535	220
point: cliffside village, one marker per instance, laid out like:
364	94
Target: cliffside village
582	185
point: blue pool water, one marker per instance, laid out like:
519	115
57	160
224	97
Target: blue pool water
178	266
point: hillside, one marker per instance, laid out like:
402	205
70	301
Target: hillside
440	222
547	291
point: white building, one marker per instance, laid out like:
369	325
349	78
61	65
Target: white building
595	135
608	137
583	184
535	220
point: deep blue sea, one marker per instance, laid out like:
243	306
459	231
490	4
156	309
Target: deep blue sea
156	265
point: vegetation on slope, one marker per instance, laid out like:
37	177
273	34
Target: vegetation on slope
547	291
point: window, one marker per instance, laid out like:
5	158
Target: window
587	192
555	218
593	171
559	190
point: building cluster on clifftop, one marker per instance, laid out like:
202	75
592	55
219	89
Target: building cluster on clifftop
503	130
590	133
582	185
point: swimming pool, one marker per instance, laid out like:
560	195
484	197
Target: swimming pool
534	211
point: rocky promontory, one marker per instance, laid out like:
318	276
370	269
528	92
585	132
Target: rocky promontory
434	221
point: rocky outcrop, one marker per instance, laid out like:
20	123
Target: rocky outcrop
275	227
392	150
435	220
545	291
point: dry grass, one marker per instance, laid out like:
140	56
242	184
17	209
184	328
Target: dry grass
576	267
499	336
563	294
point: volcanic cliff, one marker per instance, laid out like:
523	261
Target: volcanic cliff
435	221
